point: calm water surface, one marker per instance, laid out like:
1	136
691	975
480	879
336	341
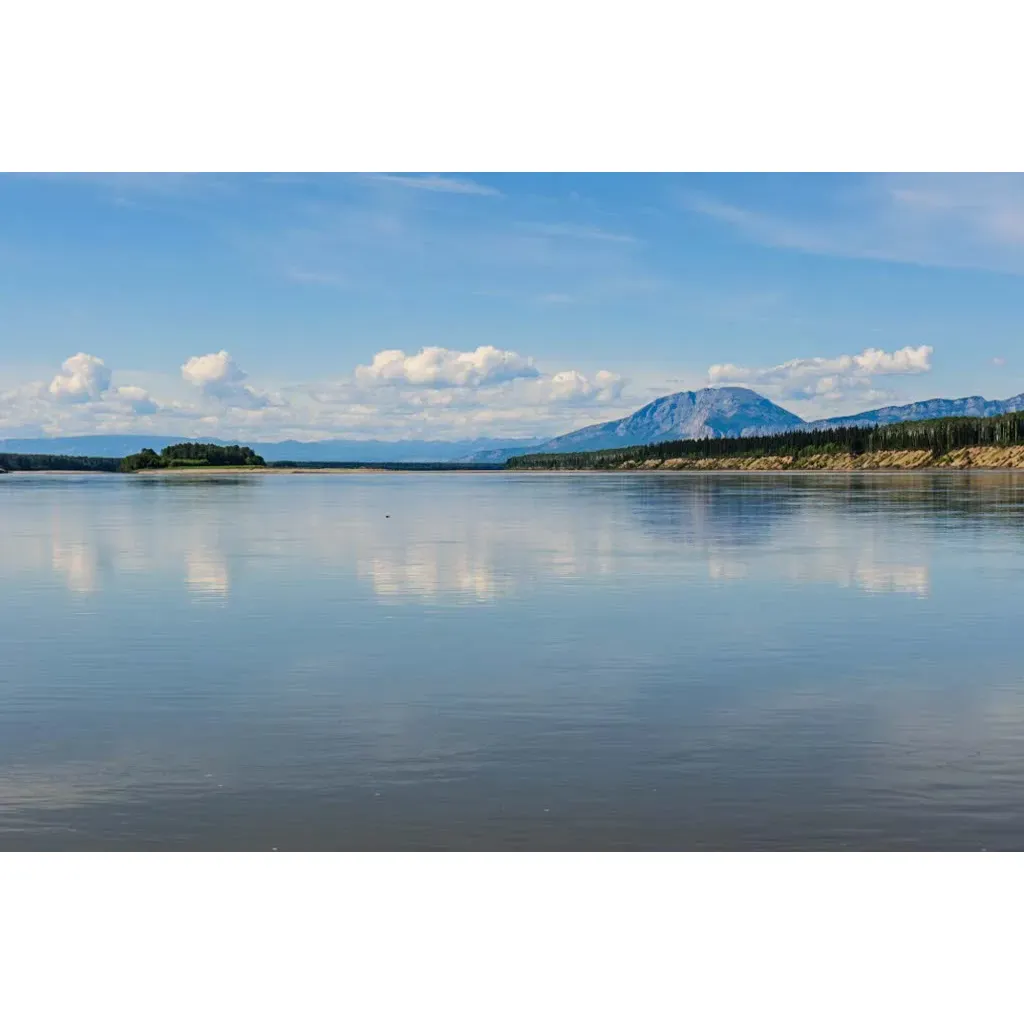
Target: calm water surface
535	661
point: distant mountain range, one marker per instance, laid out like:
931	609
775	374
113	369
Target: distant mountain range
710	412
934	408
119	445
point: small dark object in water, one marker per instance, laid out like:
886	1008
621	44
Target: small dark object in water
387	517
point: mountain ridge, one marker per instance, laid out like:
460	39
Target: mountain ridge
743	413
932	408
709	412
339	450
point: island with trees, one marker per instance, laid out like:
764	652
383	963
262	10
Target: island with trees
192	455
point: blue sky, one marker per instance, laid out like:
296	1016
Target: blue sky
463	305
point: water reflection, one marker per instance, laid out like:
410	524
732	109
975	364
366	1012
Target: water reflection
535	661
428	572
874	534
726	569
894	579
206	573
77	564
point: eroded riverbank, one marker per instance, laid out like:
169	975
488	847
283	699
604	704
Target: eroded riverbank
961	458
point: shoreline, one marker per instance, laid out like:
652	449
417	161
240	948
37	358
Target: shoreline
246	471
285	470
961	460
958	460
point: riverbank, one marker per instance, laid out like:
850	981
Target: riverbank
959	459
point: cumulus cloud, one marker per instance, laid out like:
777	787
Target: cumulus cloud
218	376
83	378
572	386
826	379
215	372
80	399
434	394
446	368
137	399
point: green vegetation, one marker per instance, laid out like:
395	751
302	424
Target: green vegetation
10	463
938	436
191	455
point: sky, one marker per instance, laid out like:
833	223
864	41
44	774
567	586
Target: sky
458	305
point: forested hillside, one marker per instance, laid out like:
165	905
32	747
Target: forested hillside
939	437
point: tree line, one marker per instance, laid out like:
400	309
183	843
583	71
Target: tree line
15	462
938	436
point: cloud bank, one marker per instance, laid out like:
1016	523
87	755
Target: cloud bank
827	380
436	393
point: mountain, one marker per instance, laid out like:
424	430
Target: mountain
736	412
119	445
934	408
710	412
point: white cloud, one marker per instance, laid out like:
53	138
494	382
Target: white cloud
829	380
436	183
572	386
443	367
137	399
581	232
218	376
318	277
434	394
213	372
905	360
81	399
946	220
83	378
